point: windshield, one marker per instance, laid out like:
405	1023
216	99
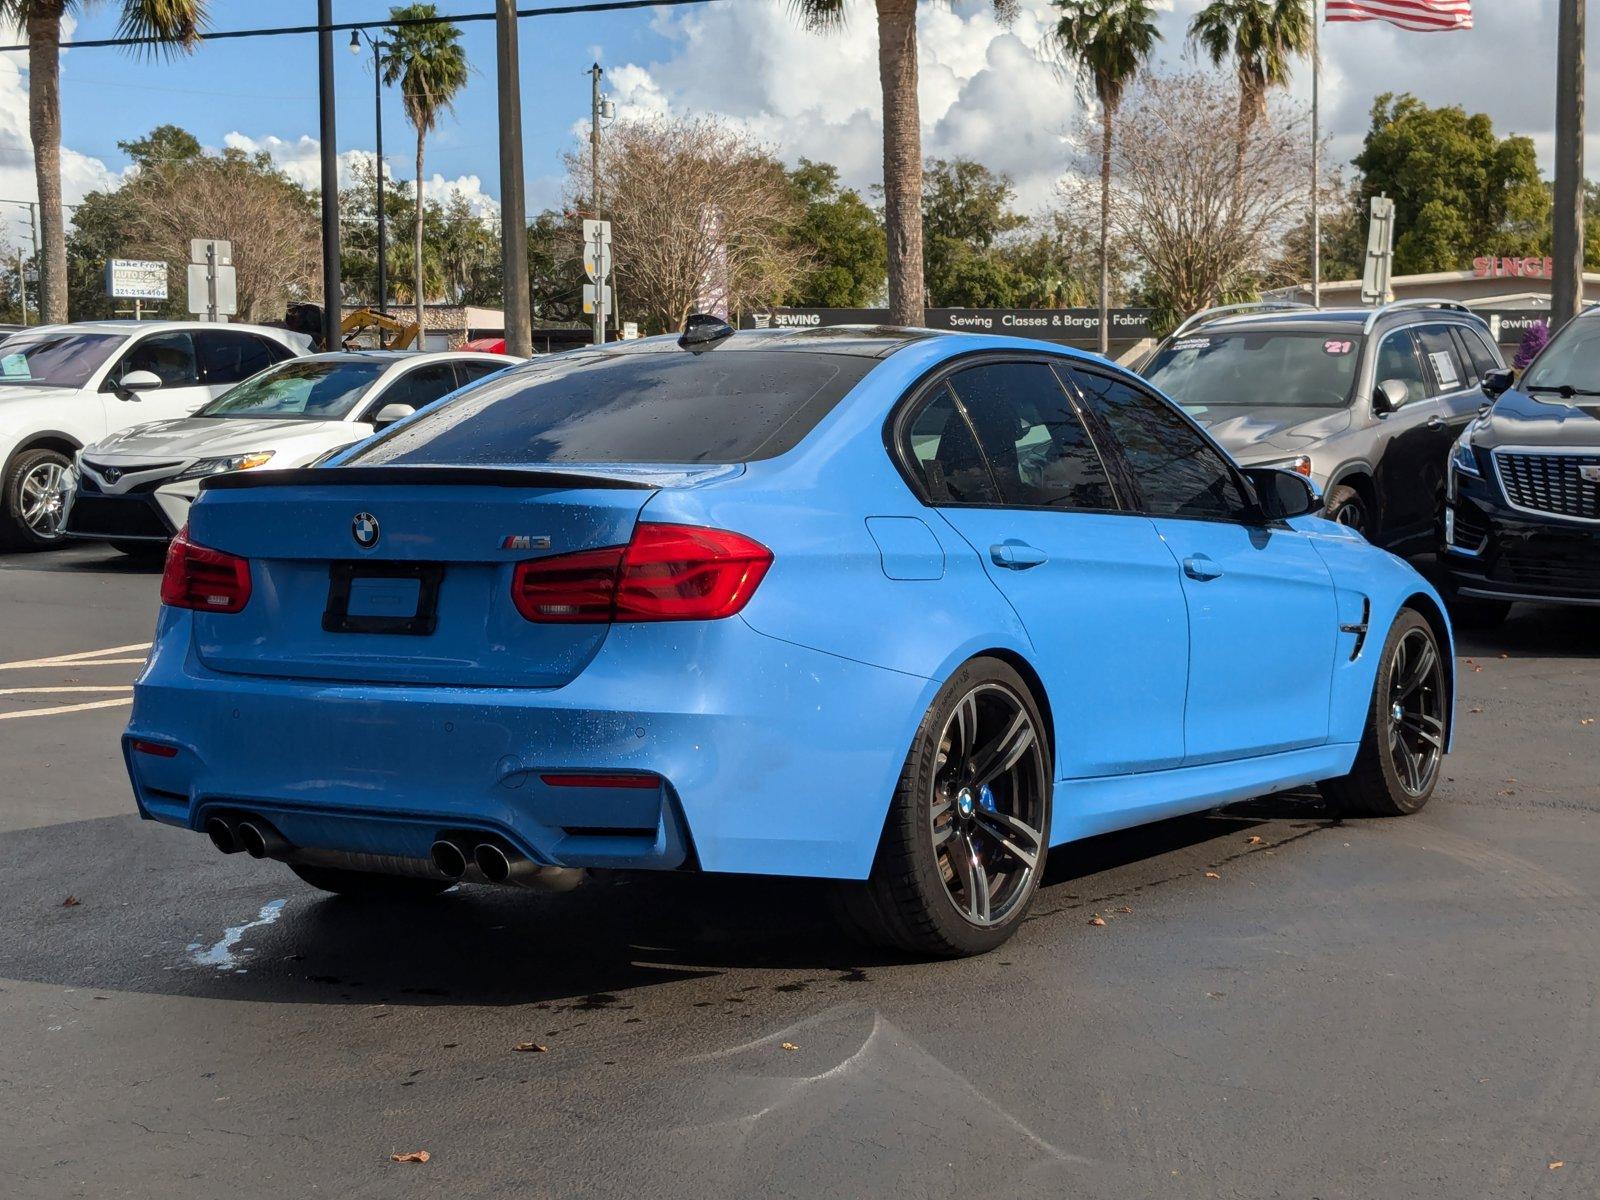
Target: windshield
649	406
1571	360
1269	369
299	391
60	359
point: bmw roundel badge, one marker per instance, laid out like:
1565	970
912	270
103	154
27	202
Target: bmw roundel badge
364	528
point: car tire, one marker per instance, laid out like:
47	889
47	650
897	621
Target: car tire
1398	763
368	885
25	471
1346	506
923	897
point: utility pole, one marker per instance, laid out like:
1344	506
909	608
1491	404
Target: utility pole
1566	299
1316	154
22	285
332	310
594	202
513	205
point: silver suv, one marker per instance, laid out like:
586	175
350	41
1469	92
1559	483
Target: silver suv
1364	402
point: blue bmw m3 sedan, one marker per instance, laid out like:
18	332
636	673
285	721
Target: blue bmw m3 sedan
896	609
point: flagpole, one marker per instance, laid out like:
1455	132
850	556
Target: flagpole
1316	153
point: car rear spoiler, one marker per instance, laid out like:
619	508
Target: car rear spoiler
388	476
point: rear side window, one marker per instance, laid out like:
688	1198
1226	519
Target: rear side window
231	357
1478	353
1037	446
471	372
1179	473
1439	348
634	406
947	456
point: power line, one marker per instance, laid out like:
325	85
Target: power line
552	10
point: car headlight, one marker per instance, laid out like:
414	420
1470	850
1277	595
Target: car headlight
219	466
1300	464
1463	459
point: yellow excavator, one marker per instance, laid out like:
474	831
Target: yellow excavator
362	319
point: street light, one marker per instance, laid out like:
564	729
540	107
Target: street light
377	89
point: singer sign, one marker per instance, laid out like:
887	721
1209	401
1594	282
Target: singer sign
1520	268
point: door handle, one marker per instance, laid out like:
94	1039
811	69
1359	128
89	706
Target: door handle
1017	556
1436	422
1199	566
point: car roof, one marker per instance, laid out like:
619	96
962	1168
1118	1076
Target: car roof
1330	320
129	326
359	354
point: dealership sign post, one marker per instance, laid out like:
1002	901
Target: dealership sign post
136	280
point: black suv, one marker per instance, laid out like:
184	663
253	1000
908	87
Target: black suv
1364	402
1523	515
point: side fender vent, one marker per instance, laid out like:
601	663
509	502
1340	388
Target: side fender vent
1359	629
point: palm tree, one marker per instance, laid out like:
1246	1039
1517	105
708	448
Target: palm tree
902	139
430	66
1106	42
167	24
1263	37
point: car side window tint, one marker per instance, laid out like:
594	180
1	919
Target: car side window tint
422	386
1439	349
945	454
471	372
227	357
1035	441
168	355
1397	359
1179	473
277	351
1482	356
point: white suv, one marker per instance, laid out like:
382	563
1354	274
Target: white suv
65	386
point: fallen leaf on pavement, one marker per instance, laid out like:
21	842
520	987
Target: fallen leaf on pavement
1212	875
1097	920
1586	721
1557	1165
530	1048
411	1156
1254	839
1125	909
71	902
1476	710
790	1046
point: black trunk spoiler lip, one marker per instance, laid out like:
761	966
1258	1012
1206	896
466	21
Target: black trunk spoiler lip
391	476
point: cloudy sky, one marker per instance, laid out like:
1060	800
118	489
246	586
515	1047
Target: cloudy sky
988	90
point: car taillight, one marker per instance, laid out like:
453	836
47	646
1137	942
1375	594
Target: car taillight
201	578
665	573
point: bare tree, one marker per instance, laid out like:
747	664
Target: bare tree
271	222
700	216
1205	215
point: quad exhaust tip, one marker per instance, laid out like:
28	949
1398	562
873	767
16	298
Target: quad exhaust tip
450	858
222	836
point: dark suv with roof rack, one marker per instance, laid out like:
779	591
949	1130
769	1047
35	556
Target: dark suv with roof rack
1523	515
1364	402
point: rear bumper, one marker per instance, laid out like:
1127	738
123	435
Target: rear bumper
773	759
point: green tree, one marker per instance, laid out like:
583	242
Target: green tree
555	267
169	24
1263	38
163	144
844	237
1105	43
902	139
1458	190
967	217
430	66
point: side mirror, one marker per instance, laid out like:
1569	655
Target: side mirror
1390	395
390	413
139	381
1497	381
1283	494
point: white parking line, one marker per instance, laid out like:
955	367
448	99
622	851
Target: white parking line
65	708
88	687
82	658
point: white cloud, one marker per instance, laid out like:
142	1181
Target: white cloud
80	173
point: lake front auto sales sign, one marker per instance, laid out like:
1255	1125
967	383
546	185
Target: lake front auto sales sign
1492	267
133	279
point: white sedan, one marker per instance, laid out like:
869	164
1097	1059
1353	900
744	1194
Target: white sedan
64	386
134	488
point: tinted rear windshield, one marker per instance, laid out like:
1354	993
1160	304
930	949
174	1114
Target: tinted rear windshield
1266	369
666	406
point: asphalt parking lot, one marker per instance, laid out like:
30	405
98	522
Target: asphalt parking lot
1277	1003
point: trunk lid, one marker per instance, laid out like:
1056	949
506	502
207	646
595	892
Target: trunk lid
403	574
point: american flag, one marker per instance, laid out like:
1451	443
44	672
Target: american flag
1425	16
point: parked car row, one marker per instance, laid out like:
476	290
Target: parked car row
107	427
1406	417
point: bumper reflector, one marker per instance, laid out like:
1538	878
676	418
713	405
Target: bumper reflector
595	780
156	748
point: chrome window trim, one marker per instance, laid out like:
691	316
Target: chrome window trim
1549	452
